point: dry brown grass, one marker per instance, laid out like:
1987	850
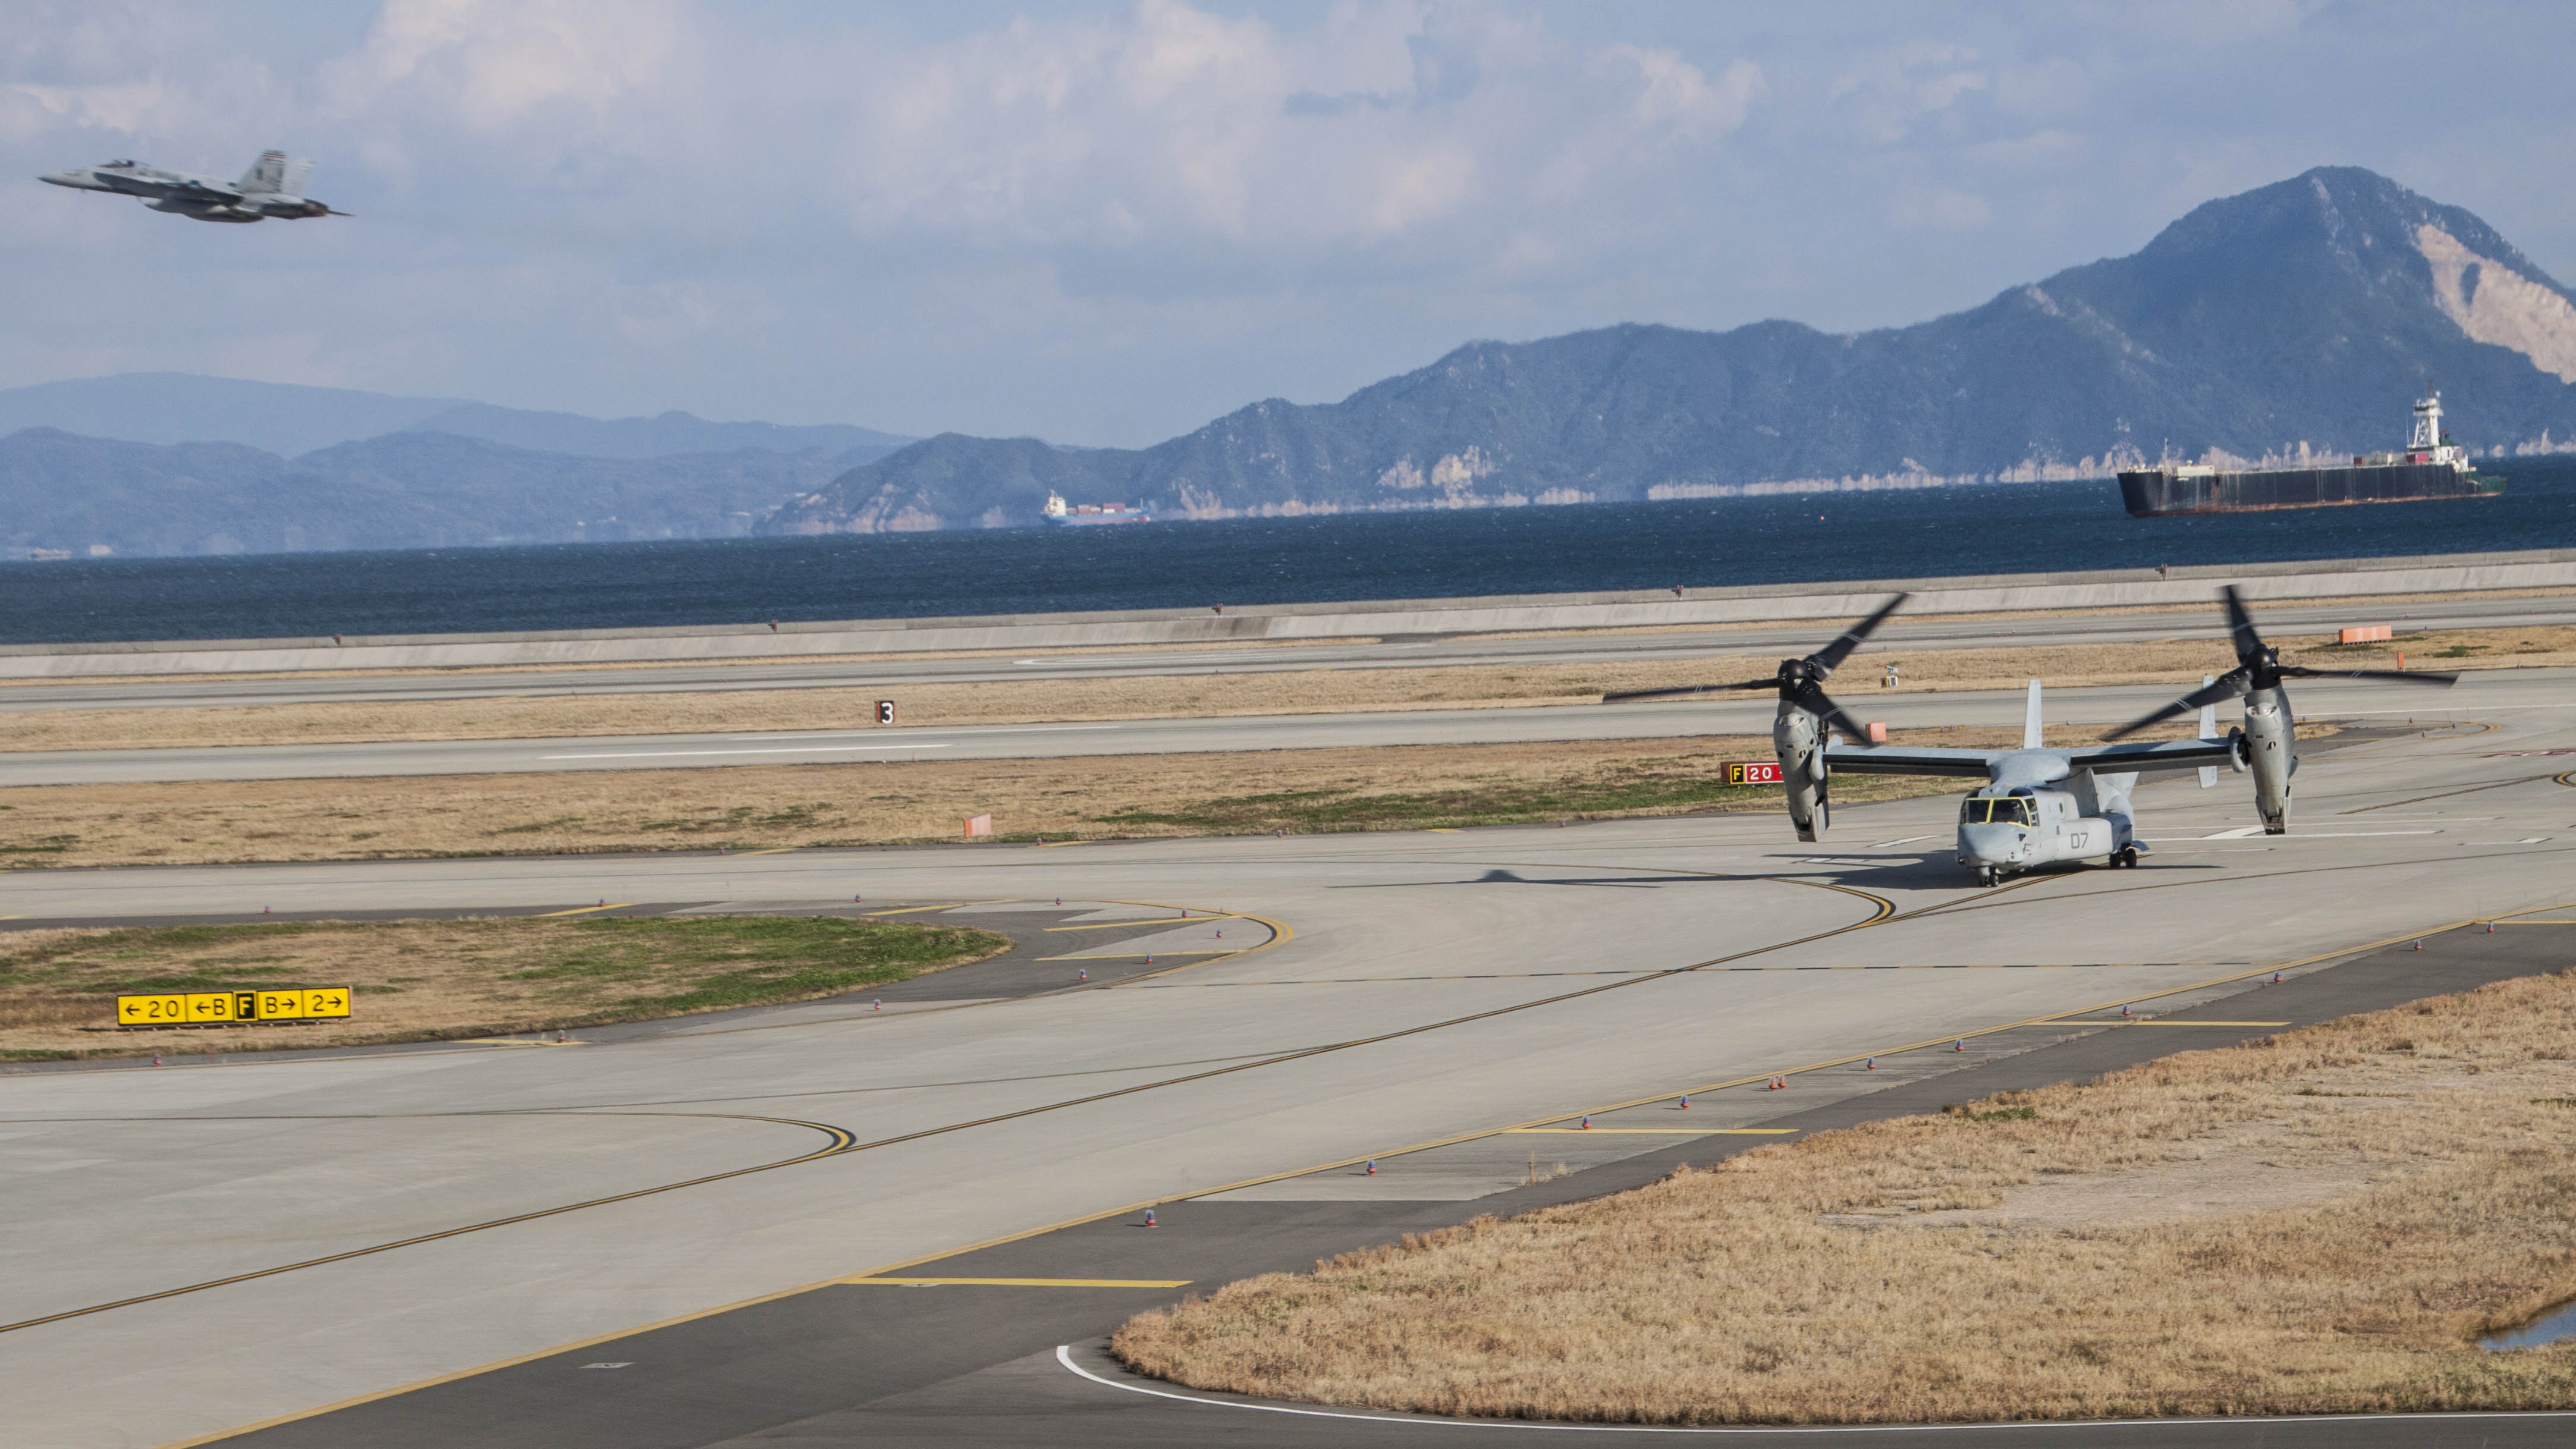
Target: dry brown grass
1320	691
436	980
2367	609
2317	1222
806	805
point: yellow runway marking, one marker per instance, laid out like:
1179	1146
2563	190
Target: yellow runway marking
1154	921
1654	1131
773	850
909	910
587	910
1022	1282
1059	844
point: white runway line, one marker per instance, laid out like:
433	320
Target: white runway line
1064	1356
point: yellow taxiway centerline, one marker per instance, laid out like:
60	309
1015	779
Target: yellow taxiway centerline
587	910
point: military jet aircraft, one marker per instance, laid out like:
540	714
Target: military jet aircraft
2039	806
272	187
2268	745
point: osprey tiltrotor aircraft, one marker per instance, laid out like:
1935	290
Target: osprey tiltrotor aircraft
2269	744
2039	805
272	187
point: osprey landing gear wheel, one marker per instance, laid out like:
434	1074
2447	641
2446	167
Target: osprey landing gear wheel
2127	858
1985	875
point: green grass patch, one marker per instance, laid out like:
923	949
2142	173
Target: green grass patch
430	980
726	961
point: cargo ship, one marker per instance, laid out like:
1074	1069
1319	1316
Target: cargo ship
1080	515
2430	467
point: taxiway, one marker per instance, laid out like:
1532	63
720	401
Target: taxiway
462	1244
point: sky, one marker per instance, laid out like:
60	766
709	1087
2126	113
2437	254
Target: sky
1106	224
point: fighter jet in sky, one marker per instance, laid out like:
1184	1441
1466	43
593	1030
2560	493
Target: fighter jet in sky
273	186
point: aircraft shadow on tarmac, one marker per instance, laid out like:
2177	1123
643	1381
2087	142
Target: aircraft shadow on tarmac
1640	881
1924	872
1931	871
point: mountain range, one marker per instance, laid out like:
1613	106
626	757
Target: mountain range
2309	313
60	492
288	419
2299	317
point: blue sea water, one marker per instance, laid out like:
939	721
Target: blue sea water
1976	529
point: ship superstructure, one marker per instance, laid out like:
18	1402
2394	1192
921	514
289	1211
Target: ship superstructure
2431	466
1078	515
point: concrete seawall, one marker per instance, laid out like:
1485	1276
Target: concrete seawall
2348	578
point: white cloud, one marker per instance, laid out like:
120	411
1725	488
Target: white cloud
490	63
1939	209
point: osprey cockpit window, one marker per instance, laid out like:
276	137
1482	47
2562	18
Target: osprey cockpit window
1982	810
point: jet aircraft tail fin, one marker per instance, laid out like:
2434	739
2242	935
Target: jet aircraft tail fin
277	174
2030	720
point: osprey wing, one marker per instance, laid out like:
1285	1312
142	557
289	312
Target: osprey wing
1898	760
2158	755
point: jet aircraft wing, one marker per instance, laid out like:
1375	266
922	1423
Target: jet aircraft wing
2158	755
1896	760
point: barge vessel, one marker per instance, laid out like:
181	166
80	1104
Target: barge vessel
2430	467
1082	515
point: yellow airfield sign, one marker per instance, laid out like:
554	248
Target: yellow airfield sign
207	1008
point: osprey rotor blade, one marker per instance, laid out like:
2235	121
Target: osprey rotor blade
1850	639
1686	691
2408	676
2231	685
1829	714
2240	627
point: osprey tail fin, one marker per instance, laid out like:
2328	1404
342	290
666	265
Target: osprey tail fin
2030	720
2209	731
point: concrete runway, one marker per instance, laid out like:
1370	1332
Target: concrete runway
309	1231
1756	642
2478	695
